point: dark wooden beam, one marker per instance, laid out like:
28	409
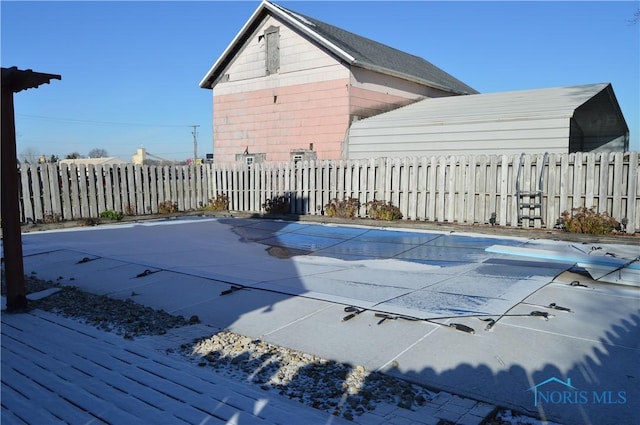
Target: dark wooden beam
13	81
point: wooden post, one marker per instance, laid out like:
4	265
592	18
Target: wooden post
11	237
13	81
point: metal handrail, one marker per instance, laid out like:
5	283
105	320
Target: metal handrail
518	186
541	178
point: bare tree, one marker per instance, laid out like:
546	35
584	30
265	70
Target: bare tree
98	153
73	155
29	155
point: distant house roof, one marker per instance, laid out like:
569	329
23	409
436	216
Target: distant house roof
353	49
108	160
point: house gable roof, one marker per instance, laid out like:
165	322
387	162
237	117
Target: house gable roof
351	48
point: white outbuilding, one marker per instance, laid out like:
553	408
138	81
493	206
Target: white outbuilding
585	118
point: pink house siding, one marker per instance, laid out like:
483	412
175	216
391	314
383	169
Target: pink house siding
373	93
276	120
366	103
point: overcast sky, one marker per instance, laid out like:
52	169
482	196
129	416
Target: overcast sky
130	70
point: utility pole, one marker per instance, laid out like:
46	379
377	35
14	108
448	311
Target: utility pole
195	142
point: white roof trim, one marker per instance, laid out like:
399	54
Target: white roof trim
284	15
231	45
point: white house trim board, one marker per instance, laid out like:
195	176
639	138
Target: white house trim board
288	16
253	20
229	48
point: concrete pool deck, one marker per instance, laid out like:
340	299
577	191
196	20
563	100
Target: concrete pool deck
447	280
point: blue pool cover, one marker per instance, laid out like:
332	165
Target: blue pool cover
459	277
422	274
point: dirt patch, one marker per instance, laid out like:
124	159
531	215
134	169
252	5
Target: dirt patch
283	252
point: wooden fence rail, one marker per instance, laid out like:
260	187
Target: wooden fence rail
462	189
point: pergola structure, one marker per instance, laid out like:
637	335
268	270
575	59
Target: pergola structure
14	80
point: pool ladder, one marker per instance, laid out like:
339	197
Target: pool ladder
530	202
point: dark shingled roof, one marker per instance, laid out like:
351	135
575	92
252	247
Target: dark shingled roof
371	54
355	50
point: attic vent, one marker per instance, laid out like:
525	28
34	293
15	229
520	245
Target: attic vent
272	57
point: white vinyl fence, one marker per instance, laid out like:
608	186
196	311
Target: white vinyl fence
454	189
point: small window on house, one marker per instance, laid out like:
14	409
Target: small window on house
272	57
251	158
298	155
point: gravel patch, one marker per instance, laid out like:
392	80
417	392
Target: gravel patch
339	388
32	283
123	317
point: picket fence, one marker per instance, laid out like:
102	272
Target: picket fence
453	189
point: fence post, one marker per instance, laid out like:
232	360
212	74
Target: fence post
578	179
92	201
119	185
155	174
549	195
324	182
363	185
440	189
27	199
36	187
297	181
618	167
603	183
503	190
633	195
46	190
421	188
470	215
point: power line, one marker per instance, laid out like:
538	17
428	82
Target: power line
97	122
